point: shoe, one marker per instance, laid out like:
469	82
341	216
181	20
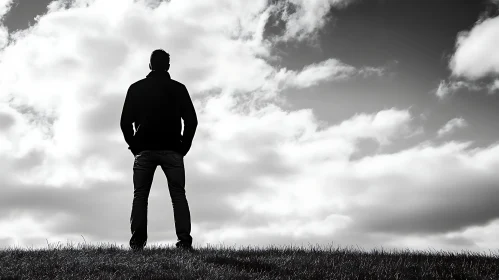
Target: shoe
184	246
137	248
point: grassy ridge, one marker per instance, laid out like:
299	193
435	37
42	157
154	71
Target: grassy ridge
113	262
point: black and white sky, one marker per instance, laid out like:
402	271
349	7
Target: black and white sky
344	122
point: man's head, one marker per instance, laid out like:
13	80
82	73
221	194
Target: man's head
160	60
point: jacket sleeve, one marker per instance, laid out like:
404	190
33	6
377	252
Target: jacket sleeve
127	118
188	114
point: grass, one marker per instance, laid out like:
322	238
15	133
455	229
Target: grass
155	262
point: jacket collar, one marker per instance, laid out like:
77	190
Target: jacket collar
155	73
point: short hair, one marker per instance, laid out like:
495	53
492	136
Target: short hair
159	60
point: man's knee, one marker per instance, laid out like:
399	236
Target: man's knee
178	196
140	194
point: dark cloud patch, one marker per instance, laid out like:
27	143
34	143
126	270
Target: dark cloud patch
276	24
42	119
105	116
232	178
153	4
458	241
211	208
51	199
440	209
32	159
6	121
94	210
34	115
97	52
201	73
365	147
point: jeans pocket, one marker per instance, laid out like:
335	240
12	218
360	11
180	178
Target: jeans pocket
177	156
137	157
142	153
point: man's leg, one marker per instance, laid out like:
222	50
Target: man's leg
172	164
143	173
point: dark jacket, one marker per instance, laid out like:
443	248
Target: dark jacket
155	104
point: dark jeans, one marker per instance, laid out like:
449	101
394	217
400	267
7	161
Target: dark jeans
144	167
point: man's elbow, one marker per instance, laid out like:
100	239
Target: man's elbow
122	125
191	122
125	125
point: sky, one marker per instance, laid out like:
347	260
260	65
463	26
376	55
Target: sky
364	123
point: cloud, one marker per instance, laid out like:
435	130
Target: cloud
328	70
6	121
493	87
303	18
312	74
447	88
256	173
4	35
451	125
476	56
5	6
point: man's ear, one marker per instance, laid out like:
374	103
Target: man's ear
150	66
168	67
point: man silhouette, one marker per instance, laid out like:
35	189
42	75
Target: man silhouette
155	106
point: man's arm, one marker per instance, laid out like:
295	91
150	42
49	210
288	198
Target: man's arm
188	114
127	119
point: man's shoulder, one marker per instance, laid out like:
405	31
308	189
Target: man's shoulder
177	83
137	83
143	83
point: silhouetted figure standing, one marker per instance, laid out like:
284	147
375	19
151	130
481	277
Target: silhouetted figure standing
155	105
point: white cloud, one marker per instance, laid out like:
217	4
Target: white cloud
494	87
328	70
447	88
256	172
303	18
476	53
475	58
452	125
315	73
4	36
442	90
5	6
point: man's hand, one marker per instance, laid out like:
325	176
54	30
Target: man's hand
134	151
182	148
